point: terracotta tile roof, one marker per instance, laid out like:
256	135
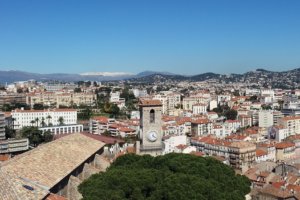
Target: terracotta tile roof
260	152
47	164
242	144
283	145
276	192
149	102
200	121
101	119
126	129
290	118
181	146
4	157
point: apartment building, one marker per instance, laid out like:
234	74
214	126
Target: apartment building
285	150
100	124
292	123
169	100
199	108
47	117
61	99
242	155
201	126
13	98
265	118
188	102
11	146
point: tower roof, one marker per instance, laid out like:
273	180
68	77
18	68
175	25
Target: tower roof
149	102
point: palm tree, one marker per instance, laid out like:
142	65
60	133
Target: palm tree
37	121
49	118
32	122
43	122
61	120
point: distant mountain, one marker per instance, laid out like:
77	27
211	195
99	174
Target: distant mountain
13	76
148	73
288	79
261	77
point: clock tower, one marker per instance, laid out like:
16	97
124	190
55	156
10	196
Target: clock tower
150	127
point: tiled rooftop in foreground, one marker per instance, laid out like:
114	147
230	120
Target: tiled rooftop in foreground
46	165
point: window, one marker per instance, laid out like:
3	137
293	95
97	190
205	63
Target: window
152	116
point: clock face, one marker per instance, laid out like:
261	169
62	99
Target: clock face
152	136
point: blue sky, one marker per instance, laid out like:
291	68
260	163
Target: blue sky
180	36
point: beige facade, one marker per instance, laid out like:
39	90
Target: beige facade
291	123
12	99
61	99
188	102
242	155
150	127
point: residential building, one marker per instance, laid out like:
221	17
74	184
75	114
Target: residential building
199	108
48	117
265	118
100	124
285	150
201	126
12	98
57	99
64	129
171	141
292	123
11	146
242	155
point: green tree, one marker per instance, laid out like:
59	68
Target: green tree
10	132
61	121
43	123
36	136
77	90
49	119
172	176
37	121
38	106
231	114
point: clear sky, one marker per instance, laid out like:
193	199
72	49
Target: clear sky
180	36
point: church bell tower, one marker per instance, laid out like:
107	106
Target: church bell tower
150	127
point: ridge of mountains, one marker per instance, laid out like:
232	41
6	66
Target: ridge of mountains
259	75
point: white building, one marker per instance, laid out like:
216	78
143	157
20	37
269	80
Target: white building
114	97
213	104
265	118
139	93
219	131
171	142
199	108
65	129
48	117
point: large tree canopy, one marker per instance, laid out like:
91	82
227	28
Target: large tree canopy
172	176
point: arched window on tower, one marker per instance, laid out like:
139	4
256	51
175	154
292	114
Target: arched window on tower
152	116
